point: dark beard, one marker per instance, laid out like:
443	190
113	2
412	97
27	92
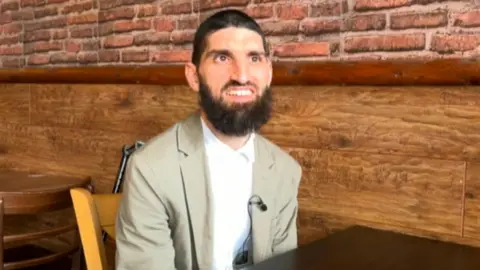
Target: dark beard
235	119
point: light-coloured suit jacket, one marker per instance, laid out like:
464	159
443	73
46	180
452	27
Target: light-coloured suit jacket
164	221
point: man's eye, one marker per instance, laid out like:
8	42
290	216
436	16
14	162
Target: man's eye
256	59
221	58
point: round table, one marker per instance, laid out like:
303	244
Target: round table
23	193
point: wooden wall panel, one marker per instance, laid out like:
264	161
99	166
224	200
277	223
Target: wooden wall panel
145	109
434	122
472	201
381	156
399	191
15	103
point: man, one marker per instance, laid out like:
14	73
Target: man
210	193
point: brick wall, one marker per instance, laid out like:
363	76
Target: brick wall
101	32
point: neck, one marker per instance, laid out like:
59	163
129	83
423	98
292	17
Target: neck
234	142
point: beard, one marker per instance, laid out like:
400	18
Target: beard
235	119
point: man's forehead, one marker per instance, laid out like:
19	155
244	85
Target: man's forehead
235	39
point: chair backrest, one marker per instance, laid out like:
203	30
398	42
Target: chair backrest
95	213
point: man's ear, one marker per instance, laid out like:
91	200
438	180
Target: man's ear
191	74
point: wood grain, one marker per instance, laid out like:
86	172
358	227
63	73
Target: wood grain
397	191
398	72
145	109
472	201
435	122
15	103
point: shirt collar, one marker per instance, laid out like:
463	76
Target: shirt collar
247	150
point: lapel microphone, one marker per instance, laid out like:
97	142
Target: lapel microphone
242	258
255	199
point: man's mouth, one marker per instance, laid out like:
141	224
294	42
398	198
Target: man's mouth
240	92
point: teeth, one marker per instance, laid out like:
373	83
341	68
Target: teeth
239	93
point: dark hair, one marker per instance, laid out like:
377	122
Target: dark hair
220	20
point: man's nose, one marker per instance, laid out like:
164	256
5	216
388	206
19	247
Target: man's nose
240	73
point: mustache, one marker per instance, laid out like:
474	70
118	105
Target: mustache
236	84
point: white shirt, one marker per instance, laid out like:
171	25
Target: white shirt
231	183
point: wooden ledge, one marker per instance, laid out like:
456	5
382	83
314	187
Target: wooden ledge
434	72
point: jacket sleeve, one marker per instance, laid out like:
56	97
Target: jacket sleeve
285	236
142	231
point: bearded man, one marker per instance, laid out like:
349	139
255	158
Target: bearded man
210	192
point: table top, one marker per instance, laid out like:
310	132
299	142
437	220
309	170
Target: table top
26	193
24	182
362	248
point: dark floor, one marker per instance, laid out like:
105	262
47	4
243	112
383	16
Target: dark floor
15	254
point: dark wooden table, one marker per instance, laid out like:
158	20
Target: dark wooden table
361	248
22	193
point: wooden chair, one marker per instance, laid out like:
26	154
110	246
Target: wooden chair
95	214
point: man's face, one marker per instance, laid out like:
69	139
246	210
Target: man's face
234	81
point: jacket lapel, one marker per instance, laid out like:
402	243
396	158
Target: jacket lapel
197	188
262	187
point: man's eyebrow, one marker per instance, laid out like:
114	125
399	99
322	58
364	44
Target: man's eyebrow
228	53
216	52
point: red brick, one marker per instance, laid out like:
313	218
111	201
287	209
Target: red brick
78	7
118	41
135	56
5	18
292	11
11	50
164	25
172	56
85	18
456	42
45	12
419	20
365	22
10	40
365	5
91	45
105	28
260	11
147	11
108	4
11	5
398	42
59	34
263	1
88	58
22	15
280	27
63	58
302	49
73	47
42	46
188	23
46	24
56	1
12	28
182	37
213	4
38	59
37	35
328	9
13	62
128	26
108	56
320	26
82	32
180	7
468	19
122	13
152	38
28	3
